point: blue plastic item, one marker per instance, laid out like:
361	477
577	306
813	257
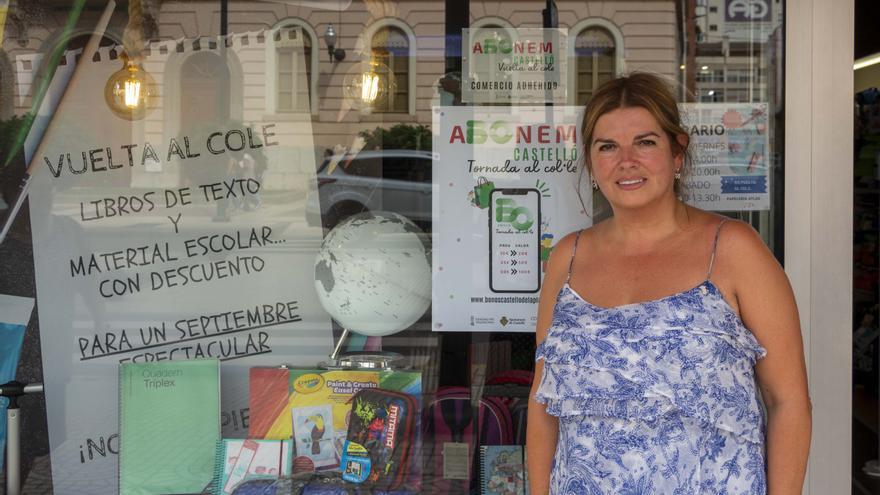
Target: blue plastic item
11	338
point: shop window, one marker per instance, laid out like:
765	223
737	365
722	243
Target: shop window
260	92
595	59
293	45
394	48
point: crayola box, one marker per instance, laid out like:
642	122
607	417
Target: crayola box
298	404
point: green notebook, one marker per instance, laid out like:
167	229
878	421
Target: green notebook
169	426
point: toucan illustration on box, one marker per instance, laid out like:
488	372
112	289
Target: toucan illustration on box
317	432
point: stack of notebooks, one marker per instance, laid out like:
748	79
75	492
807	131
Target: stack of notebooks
169	426
244	460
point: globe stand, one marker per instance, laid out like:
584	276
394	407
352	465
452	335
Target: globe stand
360	360
373	277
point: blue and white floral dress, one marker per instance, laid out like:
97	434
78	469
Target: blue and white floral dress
656	397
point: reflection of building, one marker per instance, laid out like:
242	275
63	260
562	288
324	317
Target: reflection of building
262	81
732	46
605	38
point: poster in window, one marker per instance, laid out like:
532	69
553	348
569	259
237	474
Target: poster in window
514	65
749	20
730	146
508	185
178	236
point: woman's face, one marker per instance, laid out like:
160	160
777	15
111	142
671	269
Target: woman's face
632	159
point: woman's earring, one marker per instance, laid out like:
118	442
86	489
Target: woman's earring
677	175
594	183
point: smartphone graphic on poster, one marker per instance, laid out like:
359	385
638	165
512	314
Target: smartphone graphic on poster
514	240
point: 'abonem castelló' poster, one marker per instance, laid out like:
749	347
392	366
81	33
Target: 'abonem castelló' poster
513	65
506	190
179	236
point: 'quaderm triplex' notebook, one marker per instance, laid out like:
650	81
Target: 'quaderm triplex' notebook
169	426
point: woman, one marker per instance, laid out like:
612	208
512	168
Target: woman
653	326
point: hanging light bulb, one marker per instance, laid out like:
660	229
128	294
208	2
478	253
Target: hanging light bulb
367	84
130	92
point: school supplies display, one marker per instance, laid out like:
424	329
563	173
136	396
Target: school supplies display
169	426
448	423
240	460
381	441
313	406
317	483
502	470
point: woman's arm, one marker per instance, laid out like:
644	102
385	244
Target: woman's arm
543	428
767	307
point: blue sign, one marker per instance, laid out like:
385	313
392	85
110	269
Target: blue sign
747	184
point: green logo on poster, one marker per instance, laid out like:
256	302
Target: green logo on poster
506	210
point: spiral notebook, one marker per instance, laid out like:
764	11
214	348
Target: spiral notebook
502	470
169	426
240	460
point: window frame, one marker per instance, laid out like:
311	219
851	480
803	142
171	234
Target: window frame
271	86
573	32
367	48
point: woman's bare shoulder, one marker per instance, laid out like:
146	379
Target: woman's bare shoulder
740	237
742	256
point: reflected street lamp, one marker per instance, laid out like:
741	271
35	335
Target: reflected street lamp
330	37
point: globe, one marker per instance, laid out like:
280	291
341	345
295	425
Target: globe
373	273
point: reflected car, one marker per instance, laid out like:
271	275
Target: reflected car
384	180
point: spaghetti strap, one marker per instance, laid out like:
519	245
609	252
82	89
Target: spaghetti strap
573	251
715	247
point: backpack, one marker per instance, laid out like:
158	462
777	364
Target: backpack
381	442
449	419
515	386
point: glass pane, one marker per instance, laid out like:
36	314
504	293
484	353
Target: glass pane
285	100
285	61
595	54
391	47
285	81
267	197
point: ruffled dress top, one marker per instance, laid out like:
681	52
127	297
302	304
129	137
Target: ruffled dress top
653	397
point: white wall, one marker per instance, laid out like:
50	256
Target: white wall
818	222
